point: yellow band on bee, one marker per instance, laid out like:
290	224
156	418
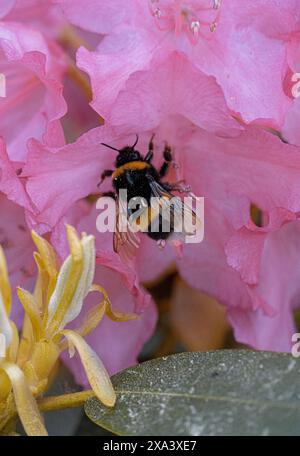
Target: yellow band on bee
136	165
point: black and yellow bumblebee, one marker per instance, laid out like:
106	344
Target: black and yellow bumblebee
135	173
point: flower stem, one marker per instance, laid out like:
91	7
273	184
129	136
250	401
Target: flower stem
47	404
70	40
80	80
71	400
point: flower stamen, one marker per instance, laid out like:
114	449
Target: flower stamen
195	18
195	27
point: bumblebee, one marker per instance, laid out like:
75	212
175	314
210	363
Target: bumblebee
136	174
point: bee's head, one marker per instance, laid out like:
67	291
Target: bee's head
127	154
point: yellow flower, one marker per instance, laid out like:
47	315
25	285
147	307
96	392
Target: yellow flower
27	365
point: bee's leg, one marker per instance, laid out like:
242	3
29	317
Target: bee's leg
149	155
177	187
106	173
167	160
161	243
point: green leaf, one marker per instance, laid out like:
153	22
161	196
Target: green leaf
225	392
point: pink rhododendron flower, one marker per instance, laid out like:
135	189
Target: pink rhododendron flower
213	36
267	260
230	181
97	17
42	15
80	116
10	183
230	173
171	87
14	235
280	21
5	7
291	129
66	174
33	69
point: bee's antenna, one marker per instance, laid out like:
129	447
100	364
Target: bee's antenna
136	141
110	147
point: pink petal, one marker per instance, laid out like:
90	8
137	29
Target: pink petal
151	262
245	247
58	178
250	291
6	6
275	18
246	54
291	130
43	15
10	184
33	69
242	61
244	168
279	284
97	17
171	88
128	51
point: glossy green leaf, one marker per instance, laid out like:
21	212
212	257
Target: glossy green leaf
225	392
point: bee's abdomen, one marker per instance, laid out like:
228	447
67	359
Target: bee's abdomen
156	236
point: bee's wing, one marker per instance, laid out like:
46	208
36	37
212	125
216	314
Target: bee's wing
125	243
178	209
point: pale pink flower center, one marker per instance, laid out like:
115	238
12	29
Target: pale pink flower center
196	18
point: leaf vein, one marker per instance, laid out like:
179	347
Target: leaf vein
207	398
